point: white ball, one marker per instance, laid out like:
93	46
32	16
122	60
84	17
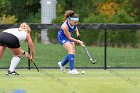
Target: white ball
83	72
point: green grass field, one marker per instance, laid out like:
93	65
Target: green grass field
53	81
93	81
49	55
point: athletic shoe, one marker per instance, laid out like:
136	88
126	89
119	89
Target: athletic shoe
62	68
74	72
12	73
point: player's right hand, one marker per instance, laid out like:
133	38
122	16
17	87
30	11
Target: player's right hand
31	59
81	42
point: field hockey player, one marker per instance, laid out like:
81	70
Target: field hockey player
12	39
65	38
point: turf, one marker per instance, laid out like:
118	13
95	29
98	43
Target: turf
53	81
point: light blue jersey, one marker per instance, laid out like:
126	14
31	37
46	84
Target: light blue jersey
62	37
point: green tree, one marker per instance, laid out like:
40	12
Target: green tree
135	6
5	6
82	7
22	9
94	37
7	19
123	38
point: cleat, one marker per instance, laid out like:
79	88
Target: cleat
62	68
11	73
74	72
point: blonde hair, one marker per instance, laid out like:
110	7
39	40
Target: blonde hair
25	27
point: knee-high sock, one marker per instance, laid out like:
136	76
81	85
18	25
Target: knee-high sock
65	61
71	61
15	60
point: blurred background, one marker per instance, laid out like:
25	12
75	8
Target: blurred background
122	45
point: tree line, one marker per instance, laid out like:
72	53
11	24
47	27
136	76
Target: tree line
89	11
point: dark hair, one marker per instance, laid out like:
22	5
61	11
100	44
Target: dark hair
69	13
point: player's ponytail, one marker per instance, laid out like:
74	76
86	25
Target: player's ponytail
25	27
69	14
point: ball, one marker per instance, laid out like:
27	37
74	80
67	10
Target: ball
83	72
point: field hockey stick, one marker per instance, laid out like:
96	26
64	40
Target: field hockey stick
36	66
92	60
29	60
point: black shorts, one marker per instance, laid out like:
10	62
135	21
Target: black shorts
9	40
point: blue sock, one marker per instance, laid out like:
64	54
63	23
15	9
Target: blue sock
65	61
71	61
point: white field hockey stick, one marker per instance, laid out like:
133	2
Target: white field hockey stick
92	60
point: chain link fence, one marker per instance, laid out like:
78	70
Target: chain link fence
113	46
